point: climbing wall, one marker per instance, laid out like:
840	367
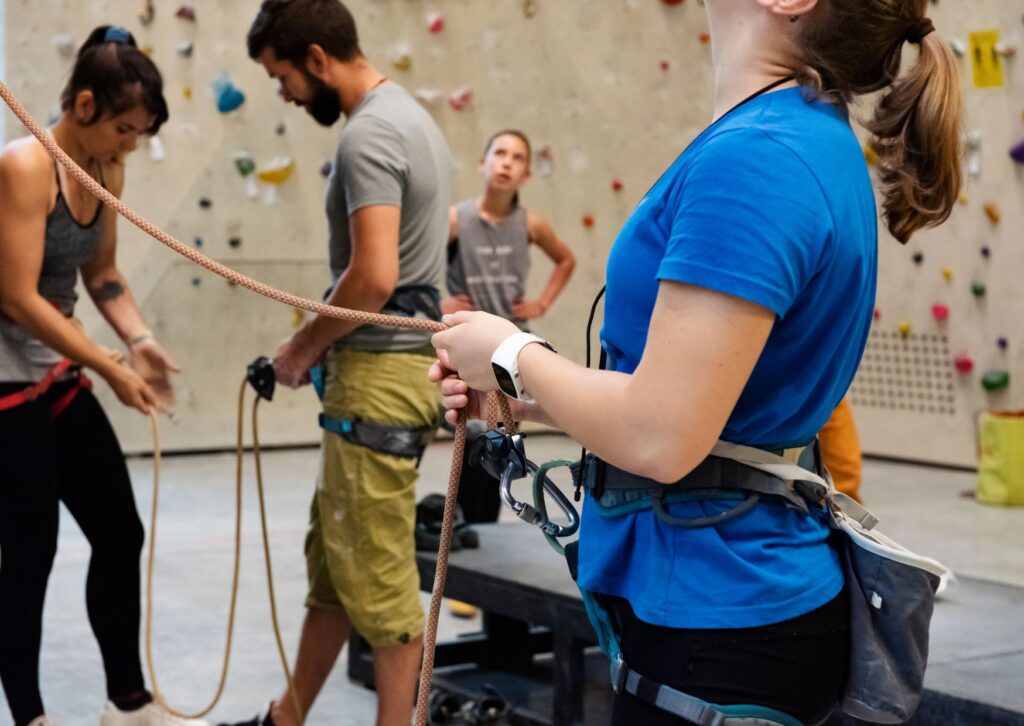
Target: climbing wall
609	92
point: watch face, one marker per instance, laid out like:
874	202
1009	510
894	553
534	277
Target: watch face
505	382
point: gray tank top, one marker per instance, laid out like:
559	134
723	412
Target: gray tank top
490	262
68	244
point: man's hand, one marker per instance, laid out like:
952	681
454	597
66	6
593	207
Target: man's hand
528	309
294	357
155	366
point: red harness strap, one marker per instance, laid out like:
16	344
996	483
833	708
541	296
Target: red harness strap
36	390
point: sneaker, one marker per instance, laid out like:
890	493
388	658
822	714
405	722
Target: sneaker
43	720
152	714
263	718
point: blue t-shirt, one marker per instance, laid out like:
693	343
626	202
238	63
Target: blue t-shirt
772	204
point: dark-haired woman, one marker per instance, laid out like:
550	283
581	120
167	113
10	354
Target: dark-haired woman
740	295
56	444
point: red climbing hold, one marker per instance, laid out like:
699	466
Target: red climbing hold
940	312
616	185
186	12
963	362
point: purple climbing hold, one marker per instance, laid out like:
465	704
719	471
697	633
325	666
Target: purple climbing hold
326	168
986	252
1017	153
1003	343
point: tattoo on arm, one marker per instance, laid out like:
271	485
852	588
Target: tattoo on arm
109	290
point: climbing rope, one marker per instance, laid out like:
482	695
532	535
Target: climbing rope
495	403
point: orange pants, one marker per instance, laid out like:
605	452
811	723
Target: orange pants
840	449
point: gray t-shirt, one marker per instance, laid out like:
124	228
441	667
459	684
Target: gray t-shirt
392	153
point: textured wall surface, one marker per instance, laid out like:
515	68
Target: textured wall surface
613	90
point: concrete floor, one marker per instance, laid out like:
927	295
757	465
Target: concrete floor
920	506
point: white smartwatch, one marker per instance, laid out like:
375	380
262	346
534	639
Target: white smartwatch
505	364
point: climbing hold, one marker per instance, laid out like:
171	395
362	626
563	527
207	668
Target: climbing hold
993	213
671	2
958	46
978	289
429	96
705	38
1017	153
460	97
246	168
529	8
156	149
273	174
1006	49
196	282
870	155
281	129
1003	343
326	168
986	252
616	185
186	48
588	220
205	202
401	61
904	329
186	92
940	312
147	13
298	317
435	22
146	50
665	65
545	160
64	44
198	242
963	197
995	380
974	139
235	242
947	274
918	258
963	362
186	12
229	98
877	314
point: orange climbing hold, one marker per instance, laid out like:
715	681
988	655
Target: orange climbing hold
993	213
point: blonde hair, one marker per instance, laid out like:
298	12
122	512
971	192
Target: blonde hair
853	47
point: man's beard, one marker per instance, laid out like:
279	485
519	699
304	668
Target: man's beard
324	106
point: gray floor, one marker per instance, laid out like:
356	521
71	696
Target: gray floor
921	507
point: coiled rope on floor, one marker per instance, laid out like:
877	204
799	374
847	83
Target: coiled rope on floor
495	403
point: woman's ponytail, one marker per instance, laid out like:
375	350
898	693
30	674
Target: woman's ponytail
918	138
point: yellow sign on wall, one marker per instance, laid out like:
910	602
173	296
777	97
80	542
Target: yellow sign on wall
986	62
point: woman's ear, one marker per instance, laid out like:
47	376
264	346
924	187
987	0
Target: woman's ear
84	108
790	8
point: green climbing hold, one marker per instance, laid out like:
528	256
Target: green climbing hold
979	289
996	381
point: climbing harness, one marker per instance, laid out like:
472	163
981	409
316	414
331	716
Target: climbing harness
31	393
496	406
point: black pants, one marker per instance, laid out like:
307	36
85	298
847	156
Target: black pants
76	460
797	666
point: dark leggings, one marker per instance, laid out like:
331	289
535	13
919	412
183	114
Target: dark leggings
76	460
797	666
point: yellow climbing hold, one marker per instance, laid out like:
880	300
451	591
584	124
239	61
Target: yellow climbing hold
187	93
947	274
277	171
870	155
298	317
904	329
993	213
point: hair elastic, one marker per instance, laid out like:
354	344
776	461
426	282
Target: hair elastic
919	30
117	34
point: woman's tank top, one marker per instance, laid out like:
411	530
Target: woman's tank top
68	244
490	262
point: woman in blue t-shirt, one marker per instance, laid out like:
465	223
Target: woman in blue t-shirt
739	298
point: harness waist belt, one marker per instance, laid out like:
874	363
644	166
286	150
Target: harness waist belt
614	487
31	393
412	299
394	440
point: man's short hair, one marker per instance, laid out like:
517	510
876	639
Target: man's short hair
289	27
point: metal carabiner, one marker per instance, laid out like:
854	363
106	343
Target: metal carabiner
504	457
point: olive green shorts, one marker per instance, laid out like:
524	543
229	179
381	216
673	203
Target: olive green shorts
360	550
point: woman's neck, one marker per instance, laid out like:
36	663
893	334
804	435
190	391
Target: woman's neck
748	52
66	138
